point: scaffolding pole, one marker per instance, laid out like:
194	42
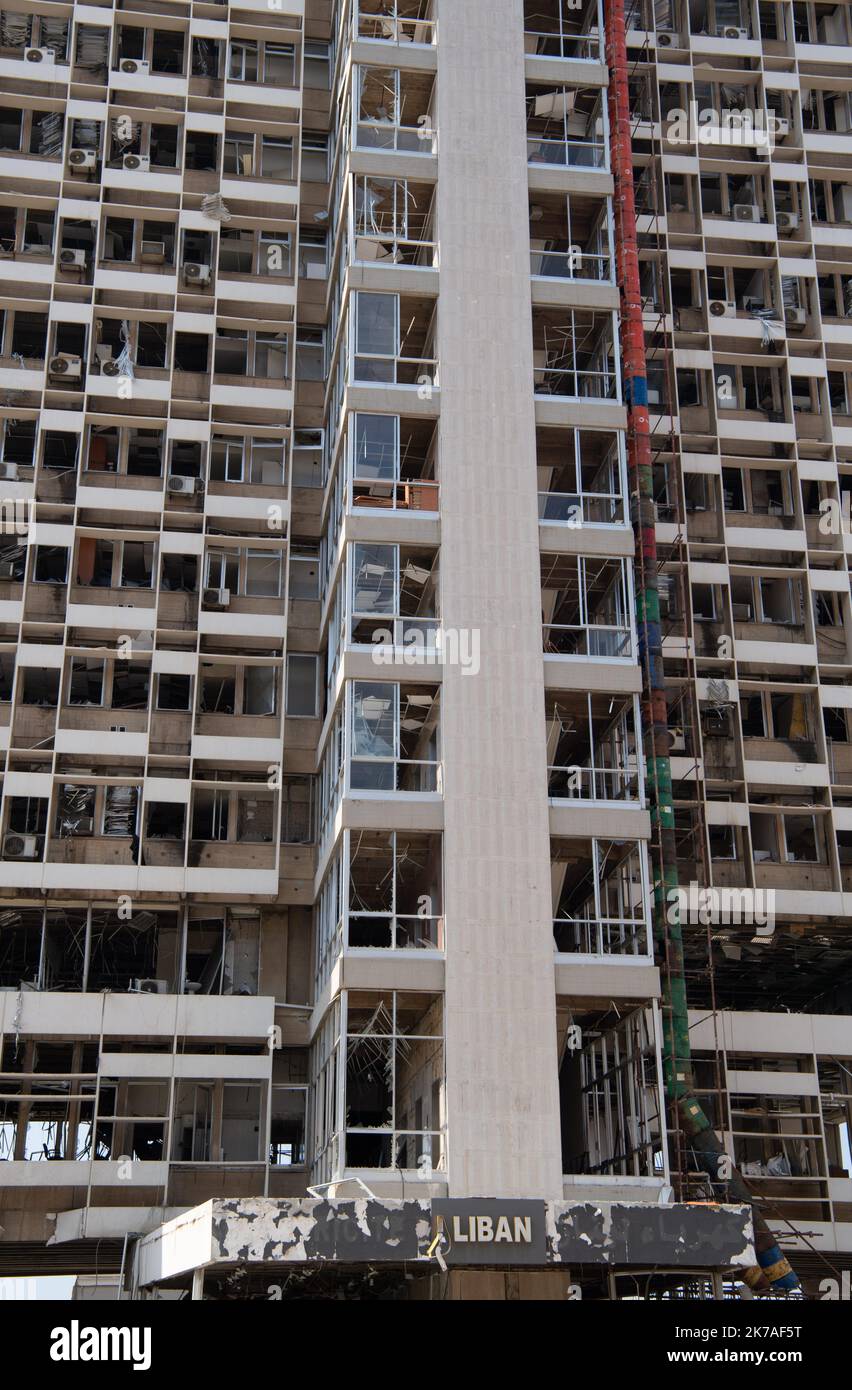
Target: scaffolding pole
689	1117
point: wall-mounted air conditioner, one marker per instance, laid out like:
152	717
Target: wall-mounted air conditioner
745	212
110	367
136	163
216	598
196	273
65	365
795	317
180	486
9	472
45	56
135	65
786	221
72	258
150	986
20	846
152	252
731	31
667	38
79	161
722	309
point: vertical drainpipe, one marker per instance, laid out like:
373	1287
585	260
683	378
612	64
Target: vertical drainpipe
701	1140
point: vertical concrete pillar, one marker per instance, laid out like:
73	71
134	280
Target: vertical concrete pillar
502	1093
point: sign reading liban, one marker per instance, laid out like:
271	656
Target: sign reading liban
484	1231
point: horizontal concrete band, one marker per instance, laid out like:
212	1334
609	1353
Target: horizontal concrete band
468	1231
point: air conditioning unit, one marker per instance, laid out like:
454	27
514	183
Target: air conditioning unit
150	986
153	252
180	486
786	221
7	569
20	847
136	163
9	472
66	365
216	598
780	127
40	55
722	309
741	612
81	160
135	65
72	259
795	318
110	367
667	38
746	212
196	273
729	31
678	743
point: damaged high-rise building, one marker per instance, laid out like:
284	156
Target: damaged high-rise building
425	636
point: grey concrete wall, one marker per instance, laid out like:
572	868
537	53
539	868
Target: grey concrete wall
502	1093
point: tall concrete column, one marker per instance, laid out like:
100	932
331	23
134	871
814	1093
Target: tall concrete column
502	1091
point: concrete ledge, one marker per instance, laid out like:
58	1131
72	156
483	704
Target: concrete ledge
270	1232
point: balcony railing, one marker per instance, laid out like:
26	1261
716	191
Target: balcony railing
545	43
395	494
394	775
394	28
375	369
575	264
581	509
384	135
573	381
607	936
593	783
574	154
394	250
575	639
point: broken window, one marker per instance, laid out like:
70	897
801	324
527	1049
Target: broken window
600	897
393	736
223	953
394	594
394	1080
610	1094
395	890
585	606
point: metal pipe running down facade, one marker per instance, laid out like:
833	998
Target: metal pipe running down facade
702	1140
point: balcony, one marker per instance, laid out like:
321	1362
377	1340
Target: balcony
394	21
592	747
587	606
562	29
582	478
391	464
391	342
574	355
600	897
566	127
393	223
392	111
570	238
